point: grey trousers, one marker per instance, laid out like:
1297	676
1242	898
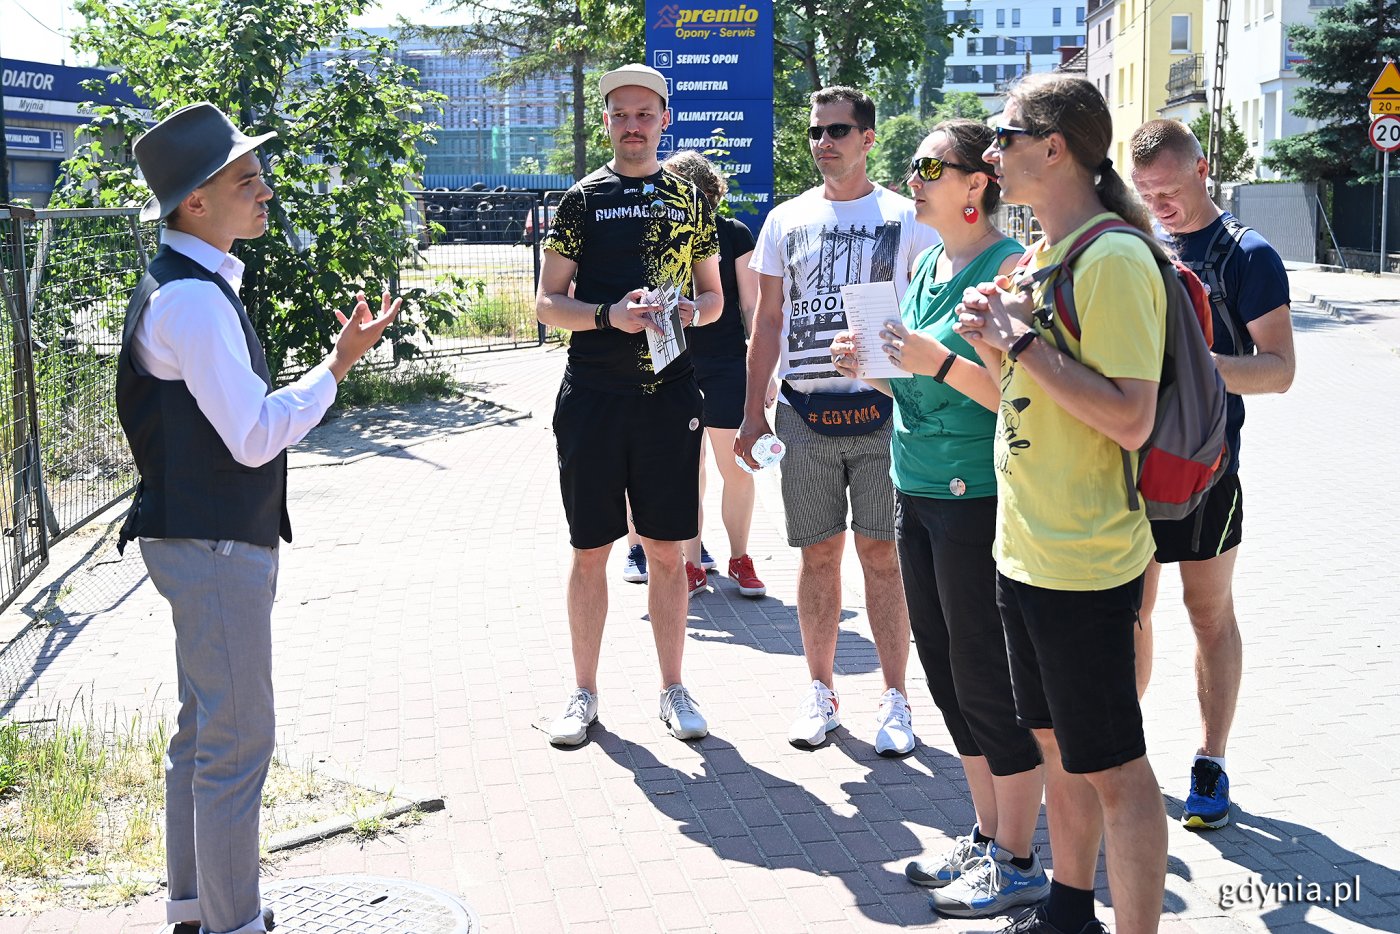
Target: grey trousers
220	596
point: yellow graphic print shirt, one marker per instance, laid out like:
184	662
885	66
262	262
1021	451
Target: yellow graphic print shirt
1063	521
629	233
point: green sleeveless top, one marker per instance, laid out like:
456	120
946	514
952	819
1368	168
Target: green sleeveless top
942	441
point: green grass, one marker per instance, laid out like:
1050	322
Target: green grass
83	795
402	385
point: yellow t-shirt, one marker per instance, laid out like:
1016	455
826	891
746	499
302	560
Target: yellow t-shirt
1063	521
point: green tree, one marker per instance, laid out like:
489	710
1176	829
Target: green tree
959	105
534	37
348	127
898	139
879	46
1345	49
1236	164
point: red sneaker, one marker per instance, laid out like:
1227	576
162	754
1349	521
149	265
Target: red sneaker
741	570
695	578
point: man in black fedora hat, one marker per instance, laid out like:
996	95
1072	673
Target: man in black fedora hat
209	437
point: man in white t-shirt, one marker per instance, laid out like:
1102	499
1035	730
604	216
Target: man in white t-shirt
837	429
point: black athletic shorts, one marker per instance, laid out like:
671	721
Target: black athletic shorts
1222	526
723	381
643	449
1071	655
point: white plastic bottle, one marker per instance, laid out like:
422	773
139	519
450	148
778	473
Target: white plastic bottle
767	451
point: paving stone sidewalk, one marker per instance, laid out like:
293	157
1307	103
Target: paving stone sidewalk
421	636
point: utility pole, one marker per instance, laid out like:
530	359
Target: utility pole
1217	100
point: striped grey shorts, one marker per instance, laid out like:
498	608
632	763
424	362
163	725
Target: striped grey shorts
818	470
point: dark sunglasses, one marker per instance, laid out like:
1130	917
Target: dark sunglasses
1005	134
929	168
834	130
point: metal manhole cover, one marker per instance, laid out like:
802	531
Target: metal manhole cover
366	905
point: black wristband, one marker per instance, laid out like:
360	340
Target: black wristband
948	362
601	317
1019	346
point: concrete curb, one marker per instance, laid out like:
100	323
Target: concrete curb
400	801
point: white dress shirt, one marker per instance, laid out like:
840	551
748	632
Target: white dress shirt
191	333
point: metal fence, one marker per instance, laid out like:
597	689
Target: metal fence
1285	213
67	275
489	241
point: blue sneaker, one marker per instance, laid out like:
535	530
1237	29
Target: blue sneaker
707	564
1208	804
635	570
992	885
940	871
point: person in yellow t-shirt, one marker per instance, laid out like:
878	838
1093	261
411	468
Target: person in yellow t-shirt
1070	553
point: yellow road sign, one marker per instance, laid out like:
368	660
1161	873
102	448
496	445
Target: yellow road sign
1388	84
1385	93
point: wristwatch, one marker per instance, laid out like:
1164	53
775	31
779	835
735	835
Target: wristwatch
1020	344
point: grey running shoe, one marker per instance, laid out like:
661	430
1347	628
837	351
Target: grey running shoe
992	885
680	714
572	725
943	870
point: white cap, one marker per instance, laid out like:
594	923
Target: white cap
636	75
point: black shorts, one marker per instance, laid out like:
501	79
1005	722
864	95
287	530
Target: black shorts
1222	526
945	559
723	381
644	446
1071	655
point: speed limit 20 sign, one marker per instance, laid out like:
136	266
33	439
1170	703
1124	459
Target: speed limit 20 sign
1385	132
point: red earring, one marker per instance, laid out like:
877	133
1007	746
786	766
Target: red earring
970	214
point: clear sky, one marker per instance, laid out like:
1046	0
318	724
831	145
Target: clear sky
36	30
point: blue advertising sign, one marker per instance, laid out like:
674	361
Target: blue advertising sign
717	56
55	91
34	140
735	135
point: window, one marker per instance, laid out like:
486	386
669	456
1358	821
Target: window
1079	16
1015	16
1001	18
1042	45
1056	17
972	47
1108	26
1105	90
1268	8
1120	84
1181	32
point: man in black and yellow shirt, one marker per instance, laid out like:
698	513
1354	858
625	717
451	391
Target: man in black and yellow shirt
626	432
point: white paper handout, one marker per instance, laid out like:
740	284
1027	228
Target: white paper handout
668	345
868	305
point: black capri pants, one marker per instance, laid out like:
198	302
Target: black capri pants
945	557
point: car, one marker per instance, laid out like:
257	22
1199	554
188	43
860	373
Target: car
546	211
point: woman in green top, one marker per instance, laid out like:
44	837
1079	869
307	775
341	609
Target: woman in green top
941	453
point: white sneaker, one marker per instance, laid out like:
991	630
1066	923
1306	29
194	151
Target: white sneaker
572	726
816	716
895	735
680	714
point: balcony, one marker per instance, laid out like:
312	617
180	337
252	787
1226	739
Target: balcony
1186	81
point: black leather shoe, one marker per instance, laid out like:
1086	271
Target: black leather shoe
184	927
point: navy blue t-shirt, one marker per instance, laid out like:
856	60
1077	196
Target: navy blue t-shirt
1255	284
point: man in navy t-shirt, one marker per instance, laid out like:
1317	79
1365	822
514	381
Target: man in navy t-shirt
1254	351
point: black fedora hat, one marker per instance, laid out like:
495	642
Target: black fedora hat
184	151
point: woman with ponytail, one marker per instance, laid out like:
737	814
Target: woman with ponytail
1069	551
